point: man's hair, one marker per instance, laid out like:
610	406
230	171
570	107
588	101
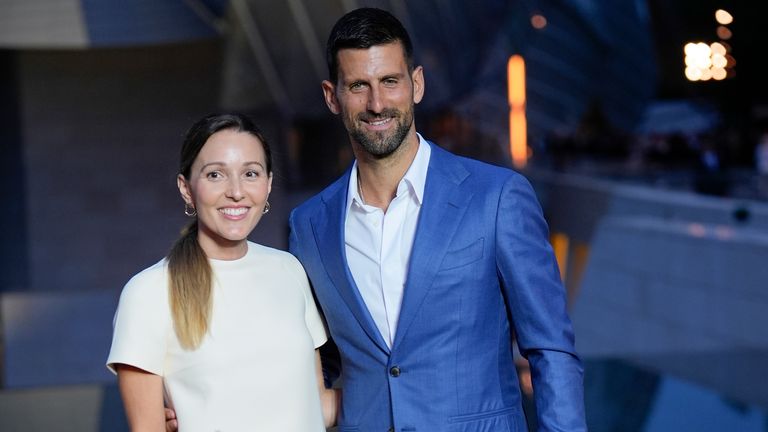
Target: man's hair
363	28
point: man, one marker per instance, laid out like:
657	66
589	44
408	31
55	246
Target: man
425	263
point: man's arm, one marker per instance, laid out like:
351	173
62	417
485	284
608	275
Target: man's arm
329	352
142	394
537	301
171	424
330	398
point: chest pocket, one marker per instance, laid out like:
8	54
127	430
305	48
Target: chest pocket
466	255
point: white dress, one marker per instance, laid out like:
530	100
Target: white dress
255	370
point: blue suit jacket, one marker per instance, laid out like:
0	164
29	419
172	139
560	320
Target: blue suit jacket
481	268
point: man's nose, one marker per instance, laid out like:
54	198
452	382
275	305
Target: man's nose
375	103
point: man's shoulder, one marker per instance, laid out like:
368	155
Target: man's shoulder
479	171
315	202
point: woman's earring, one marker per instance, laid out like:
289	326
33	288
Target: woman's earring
267	207
189	210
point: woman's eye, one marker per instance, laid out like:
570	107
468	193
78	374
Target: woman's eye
213	175
252	174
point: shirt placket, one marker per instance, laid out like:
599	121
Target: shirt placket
391	266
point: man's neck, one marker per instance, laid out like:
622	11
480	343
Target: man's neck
378	178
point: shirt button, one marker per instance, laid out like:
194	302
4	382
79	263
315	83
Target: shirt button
395	371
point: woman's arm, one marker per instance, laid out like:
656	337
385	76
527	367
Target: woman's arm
142	394
330	399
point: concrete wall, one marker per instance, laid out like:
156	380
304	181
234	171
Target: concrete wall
672	281
101	135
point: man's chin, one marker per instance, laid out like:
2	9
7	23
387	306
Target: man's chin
379	150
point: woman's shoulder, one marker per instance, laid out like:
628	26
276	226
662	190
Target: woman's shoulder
153	280
260	251
275	257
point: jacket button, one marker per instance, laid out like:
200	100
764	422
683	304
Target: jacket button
391	429
395	371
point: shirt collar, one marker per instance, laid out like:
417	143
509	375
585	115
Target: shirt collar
415	177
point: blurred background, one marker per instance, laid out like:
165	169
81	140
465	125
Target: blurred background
643	125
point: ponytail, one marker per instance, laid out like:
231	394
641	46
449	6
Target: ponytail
190	280
190	277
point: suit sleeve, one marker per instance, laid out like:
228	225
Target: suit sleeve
536	298
330	357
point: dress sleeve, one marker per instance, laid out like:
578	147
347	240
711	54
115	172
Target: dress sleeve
142	323
312	317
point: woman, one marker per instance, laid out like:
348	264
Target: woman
224	329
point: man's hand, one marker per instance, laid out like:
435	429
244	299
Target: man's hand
171	425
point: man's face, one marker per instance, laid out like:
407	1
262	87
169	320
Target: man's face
375	95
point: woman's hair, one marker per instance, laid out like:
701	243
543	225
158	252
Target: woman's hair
190	279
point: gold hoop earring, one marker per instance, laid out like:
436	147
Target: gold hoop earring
267	207
189	210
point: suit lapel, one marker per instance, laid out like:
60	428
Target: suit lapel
445	203
328	228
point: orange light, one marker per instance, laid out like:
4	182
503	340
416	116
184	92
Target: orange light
516	81
560	243
724	33
518	133
538	21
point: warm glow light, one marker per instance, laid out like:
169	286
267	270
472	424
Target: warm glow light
724	33
692	73
697	230
724	232
518	129
518	136
705	62
723	17
700	56
560	243
516	81
719	74
718	48
538	21
719	61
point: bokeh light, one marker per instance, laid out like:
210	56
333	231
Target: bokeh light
538	21
723	17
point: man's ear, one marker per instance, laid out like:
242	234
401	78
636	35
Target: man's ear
417	76
329	93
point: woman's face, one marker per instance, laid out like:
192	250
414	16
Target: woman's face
228	185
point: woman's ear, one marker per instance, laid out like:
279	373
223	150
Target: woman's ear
184	190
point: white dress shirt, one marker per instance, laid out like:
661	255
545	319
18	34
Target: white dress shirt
378	245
